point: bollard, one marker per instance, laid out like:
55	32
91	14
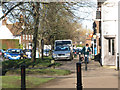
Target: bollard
118	61
23	82
79	76
85	62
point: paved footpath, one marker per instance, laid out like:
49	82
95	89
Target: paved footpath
95	77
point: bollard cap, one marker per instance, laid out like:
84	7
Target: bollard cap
79	63
23	65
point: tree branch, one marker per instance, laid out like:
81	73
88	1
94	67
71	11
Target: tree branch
20	3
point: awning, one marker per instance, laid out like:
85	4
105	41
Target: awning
109	36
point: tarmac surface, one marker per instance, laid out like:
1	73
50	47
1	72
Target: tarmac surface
95	77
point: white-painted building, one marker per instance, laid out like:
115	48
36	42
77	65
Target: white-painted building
109	27
6	34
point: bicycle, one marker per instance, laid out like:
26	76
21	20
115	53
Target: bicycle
86	62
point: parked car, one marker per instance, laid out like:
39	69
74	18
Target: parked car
62	52
2	52
6	53
76	51
14	54
28	52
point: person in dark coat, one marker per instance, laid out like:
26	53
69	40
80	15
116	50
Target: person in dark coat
86	50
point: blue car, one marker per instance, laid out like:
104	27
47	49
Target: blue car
14	54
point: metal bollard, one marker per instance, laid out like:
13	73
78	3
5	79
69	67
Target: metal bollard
79	76
23	82
118	61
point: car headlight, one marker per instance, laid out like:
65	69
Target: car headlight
18	56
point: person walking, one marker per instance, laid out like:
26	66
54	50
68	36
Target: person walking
86	51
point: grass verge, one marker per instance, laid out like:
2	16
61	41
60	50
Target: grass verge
41	72
14	64
15	81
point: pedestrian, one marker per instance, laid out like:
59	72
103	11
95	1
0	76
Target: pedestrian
86	51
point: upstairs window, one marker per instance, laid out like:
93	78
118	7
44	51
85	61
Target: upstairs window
23	36
26	37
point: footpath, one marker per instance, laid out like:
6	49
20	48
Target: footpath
95	77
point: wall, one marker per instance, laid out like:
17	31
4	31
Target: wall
9	43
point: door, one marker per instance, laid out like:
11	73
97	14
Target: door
109	55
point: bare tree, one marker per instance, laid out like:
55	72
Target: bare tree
48	21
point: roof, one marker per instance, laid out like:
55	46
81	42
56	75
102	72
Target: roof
15	28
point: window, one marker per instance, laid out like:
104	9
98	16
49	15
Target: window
29	37
26	37
23	37
109	45
32	37
113	49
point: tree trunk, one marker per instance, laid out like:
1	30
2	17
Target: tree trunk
39	48
42	47
36	16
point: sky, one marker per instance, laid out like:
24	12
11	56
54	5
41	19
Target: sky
90	15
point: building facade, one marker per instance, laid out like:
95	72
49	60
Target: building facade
15	31
109	31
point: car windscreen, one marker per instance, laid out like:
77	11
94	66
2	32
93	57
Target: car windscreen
58	43
62	49
28	50
15	51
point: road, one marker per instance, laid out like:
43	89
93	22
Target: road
95	77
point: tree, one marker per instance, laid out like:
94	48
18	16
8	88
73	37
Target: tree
46	20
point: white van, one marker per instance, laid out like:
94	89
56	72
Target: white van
64	42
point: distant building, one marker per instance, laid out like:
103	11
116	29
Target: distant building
15	31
